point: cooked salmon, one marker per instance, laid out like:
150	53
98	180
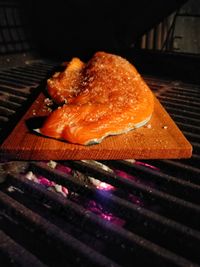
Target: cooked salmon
105	96
64	86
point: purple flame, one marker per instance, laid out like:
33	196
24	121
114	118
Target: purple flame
92	205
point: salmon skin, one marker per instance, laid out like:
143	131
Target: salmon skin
106	96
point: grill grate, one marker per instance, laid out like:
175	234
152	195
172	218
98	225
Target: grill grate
18	86
148	214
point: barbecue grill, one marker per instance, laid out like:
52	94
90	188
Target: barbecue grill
96	213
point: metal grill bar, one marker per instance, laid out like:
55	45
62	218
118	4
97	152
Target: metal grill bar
186	97
24	92
11	97
183	113
12	254
167	183
92	223
59	238
26	74
187	172
33	71
18	75
152	195
18	86
176	105
184	103
123	208
185	88
15	81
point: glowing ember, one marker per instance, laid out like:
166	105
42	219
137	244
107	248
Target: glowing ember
44	181
134	199
98	210
124	175
146	165
105	186
100	185
49	185
63	168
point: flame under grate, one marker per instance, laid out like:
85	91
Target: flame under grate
108	213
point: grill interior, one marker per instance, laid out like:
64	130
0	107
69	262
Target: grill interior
149	214
18	86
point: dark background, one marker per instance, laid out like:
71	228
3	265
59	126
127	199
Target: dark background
76	27
59	30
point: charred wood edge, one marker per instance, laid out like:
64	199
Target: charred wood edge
39	226
88	220
16	255
122	208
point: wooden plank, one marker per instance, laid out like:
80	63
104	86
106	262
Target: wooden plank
159	139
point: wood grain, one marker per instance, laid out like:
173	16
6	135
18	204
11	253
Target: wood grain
159	139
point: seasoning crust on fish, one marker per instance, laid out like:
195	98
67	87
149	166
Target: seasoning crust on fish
64	86
105	96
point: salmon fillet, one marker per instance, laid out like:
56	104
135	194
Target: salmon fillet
105	96
63	86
